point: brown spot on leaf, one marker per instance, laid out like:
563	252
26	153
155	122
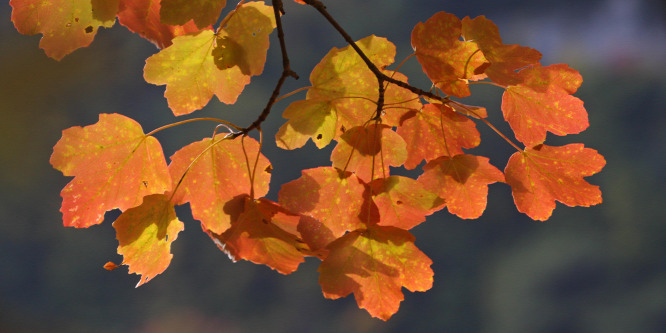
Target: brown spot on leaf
319	136
269	168
89	29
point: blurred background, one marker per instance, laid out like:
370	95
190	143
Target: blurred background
598	269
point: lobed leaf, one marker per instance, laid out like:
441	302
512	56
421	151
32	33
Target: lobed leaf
65	25
542	103
375	264
145	234
462	181
114	164
541	175
213	175
403	202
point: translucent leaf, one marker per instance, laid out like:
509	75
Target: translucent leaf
114	164
203	12
541	175
403	202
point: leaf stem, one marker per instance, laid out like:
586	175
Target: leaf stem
228	124
488	124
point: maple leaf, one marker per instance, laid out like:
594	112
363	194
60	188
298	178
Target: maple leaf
333	198
213	175
203	12
375	264
368	151
145	234
403	202
434	131
448	61
504	59
264	233
544	174
114	165
65	25
542	103
343	95
143	18
462	181
196	67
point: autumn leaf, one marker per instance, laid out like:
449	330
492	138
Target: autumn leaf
309	119
543	103
264	233
114	165
196	67
375	264
213	175
333	198
65	25
203	12
448	61
369	151
462	181
434	131
143	18
541	175
145	234
403	202
504	59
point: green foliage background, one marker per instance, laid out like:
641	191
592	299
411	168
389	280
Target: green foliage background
598	269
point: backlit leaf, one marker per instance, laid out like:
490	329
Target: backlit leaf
114	164
143	18
216	183
462	181
369	151
65	25
434	131
403	202
203	12
375	264
541	175
543	103
448	61
333	198
264	233
145	234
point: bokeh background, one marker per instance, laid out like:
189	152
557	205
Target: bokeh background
599	269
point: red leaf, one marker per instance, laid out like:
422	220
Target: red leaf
543	103
145	234
375	264
541	175
264	233
368	151
66	25
334	199
217	181
115	165
462	181
447	61
403	202
436	131
143	18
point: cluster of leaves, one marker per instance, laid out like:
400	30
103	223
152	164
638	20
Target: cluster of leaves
354	215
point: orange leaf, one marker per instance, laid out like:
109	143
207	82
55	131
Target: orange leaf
65	25
115	165
541	175
366	151
145	234
434	131
543	103
504	59
375	264
403	202
143	18
264	233
196	67
447	61
217	181
333	198
462	181
203	12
